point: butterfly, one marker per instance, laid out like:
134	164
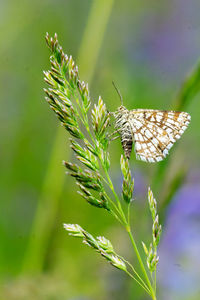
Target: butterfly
152	131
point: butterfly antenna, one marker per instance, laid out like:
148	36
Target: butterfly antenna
118	92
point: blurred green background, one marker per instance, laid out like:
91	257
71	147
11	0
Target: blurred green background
147	48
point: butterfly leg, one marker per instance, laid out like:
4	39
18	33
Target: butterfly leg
114	138
110	138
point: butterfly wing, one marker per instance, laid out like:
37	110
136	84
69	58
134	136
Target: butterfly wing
154	132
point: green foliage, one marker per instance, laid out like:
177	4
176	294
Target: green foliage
33	180
69	98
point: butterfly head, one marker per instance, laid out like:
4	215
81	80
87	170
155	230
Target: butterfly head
122	109
121	112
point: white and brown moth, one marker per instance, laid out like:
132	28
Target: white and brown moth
152	131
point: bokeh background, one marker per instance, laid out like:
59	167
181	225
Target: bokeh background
147	48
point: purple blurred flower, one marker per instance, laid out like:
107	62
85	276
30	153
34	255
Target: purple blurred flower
179	268
168	38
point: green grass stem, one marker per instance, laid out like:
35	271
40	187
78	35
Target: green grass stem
141	264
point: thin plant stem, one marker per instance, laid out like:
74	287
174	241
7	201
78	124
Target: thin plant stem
128	213
116	216
133	277
119	211
114	205
155	281
115	195
141	263
136	273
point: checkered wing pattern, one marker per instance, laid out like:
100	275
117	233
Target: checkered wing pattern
154	132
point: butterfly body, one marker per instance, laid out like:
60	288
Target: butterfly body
152	131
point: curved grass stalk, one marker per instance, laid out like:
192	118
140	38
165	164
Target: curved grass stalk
42	223
143	286
141	264
136	273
